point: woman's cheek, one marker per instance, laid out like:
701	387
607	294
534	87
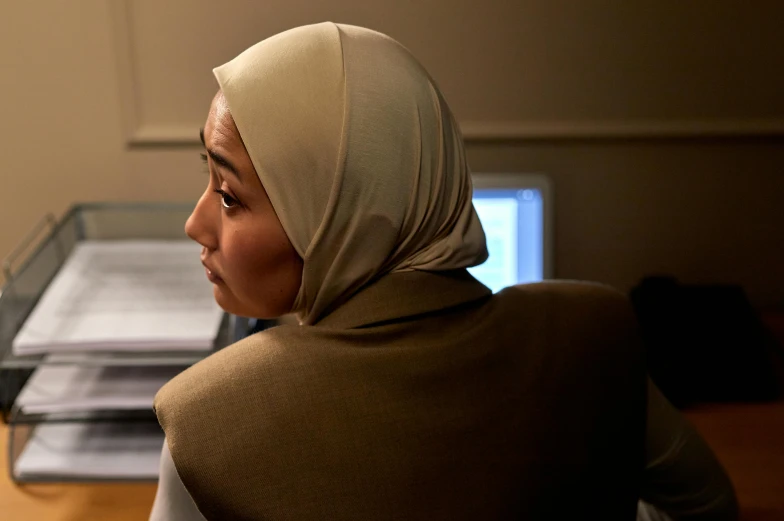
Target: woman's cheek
248	255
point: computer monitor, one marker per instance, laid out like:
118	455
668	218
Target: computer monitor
516	214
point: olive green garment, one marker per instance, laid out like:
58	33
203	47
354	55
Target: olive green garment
422	397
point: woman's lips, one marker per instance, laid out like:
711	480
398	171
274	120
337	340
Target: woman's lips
212	276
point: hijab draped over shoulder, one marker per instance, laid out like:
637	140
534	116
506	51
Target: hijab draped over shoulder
360	156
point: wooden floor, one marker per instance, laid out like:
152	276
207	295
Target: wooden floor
749	440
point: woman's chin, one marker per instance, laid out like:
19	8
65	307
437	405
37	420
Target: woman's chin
228	302
222	299
231	304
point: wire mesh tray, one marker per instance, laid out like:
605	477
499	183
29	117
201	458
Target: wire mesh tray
34	263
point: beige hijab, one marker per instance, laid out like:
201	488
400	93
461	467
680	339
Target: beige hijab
360	156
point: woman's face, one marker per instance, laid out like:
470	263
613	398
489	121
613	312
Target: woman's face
254	269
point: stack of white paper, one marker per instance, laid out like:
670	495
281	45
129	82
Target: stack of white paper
125	295
74	388
91	451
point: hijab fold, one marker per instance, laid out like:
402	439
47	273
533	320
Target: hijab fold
360	156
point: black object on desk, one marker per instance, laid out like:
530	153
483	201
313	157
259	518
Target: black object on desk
705	343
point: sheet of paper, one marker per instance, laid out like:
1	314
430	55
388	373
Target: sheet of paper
92	450
125	295
74	388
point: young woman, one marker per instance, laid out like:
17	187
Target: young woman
339	191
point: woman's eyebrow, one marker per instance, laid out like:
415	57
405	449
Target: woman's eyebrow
219	159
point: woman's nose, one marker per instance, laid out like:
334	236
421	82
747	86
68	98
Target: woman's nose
201	226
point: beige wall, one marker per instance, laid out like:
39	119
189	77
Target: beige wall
661	123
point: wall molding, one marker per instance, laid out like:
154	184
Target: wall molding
140	133
474	131
120	13
633	129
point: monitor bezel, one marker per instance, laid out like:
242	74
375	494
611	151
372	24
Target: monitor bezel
541	182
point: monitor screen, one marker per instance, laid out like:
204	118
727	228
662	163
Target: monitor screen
514	223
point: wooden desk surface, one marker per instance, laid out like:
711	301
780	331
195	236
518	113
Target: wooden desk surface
748	439
73	502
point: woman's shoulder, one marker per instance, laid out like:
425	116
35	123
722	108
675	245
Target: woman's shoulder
592	312
569	296
224	374
569	289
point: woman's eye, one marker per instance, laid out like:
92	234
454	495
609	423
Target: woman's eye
227	201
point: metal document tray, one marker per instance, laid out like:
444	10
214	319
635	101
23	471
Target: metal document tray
30	268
